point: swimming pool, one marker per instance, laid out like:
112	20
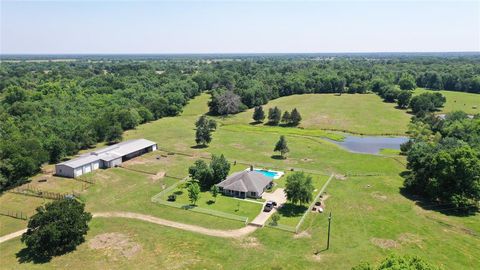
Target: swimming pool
269	173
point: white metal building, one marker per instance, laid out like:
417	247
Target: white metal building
107	157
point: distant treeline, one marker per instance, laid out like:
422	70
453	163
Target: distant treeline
52	110
254	83
49	110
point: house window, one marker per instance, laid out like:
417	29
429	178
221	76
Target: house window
254	194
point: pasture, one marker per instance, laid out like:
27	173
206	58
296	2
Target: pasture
371	218
354	113
457	101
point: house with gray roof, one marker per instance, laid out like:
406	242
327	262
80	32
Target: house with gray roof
248	183
107	157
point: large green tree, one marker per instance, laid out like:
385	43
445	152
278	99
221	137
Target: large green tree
295	117
208	175
258	114
220	167
403	99
56	228
274	116
193	192
407	82
203	133
299	188
201	172
282	146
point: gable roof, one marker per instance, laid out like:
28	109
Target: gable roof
109	153
246	181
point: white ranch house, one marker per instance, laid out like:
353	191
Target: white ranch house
107	157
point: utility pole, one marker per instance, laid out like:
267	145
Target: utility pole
329	221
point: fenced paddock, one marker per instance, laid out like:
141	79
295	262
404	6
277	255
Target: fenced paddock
29	190
297	228
14	214
282	227
161	199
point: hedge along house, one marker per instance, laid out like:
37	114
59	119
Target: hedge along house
249	183
107	157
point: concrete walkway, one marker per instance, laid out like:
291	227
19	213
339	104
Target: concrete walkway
277	196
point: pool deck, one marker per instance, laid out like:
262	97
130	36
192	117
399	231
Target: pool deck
277	176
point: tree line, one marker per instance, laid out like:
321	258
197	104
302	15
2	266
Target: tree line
444	160
50	110
239	85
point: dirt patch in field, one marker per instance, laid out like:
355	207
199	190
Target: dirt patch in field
303	234
340	176
379	196
385	243
250	242
316	257
134	161
306	159
409	238
157	176
237	146
319	120
115	244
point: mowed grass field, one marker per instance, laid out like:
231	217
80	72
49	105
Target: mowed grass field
371	219
456	101
10	202
354	113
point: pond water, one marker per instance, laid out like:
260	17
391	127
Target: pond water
370	144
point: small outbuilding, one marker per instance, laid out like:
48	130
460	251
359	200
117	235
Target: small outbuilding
248	183
107	157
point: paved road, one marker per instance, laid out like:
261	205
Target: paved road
277	196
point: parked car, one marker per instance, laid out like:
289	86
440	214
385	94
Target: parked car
268	207
274	203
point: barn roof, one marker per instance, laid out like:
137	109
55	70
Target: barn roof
109	153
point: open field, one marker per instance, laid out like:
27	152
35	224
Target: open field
364	114
10	202
371	219
457	101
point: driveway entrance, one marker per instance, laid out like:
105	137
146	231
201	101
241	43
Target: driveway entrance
277	196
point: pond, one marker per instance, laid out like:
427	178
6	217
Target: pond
370	144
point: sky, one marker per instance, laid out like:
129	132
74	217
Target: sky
171	27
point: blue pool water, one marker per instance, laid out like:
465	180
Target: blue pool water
267	173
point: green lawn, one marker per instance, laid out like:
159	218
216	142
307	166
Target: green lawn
10	202
371	218
354	113
222	203
457	101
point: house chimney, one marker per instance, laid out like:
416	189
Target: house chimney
251	167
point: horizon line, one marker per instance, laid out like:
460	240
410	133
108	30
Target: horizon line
238	53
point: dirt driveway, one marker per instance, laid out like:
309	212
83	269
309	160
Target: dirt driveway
277	196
